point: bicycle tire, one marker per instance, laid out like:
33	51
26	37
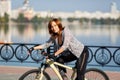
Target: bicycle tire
95	74
29	75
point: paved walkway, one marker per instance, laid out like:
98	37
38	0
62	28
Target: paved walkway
13	73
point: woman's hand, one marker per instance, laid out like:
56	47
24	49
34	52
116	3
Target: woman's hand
51	56
30	50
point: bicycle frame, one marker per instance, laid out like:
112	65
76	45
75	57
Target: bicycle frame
53	64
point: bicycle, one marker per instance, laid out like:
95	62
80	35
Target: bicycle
41	74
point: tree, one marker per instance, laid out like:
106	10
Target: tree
6	17
21	18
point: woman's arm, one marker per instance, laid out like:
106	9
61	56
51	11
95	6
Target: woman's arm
67	38
66	41
45	45
59	51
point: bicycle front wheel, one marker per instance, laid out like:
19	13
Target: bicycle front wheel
34	75
95	74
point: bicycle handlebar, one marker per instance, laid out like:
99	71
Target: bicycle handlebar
49	55
43	53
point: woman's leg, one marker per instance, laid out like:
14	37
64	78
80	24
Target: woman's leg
81	64
65	57
68	57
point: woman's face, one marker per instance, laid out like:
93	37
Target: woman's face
55	27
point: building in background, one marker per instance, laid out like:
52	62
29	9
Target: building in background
27	10
114	11
29	13
5	7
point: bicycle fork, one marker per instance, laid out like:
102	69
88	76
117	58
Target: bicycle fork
41	74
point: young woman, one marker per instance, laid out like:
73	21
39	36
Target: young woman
67	47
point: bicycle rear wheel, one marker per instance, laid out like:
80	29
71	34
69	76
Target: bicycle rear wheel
95	74
34	75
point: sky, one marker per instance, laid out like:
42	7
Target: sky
68	5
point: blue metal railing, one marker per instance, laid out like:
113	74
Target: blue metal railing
99	55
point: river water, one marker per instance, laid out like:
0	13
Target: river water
89	34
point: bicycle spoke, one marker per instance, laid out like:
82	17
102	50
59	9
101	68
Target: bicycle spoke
33	76
92	75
